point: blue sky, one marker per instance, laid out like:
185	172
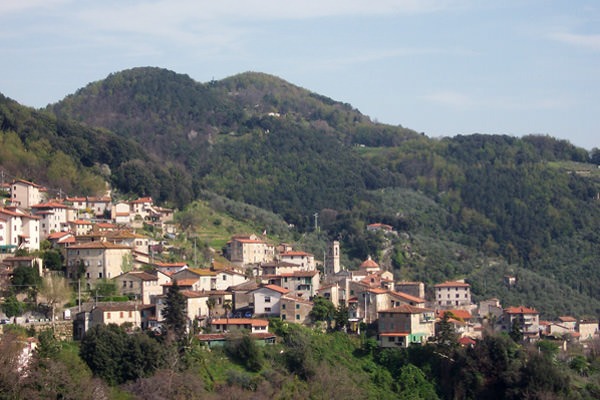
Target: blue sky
439	67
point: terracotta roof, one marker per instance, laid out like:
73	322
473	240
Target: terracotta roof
368	263
183	282
174	264
249	241
50	204
377	290
58	235
380	225
408	297
105	225
80	222
394	334
294	253
567	319
145	276
240	321
520	310
462	314
296	299
99	245
465	340
276	288
451	284
245	286
406	309
142	200
223	336
123	307
202	271
301	274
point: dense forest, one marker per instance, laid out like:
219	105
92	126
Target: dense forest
471	206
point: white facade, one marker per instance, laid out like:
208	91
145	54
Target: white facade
19	230
305	261
452	294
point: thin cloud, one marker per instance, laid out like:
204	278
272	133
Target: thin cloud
591	42
456	100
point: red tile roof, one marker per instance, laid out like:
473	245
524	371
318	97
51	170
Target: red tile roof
240	321
451	284
295	253
520	310
276	288
99	245
462	314
406	309
567	319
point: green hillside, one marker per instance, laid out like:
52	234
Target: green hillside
471	206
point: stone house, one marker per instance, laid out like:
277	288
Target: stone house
25	194
267	298
295	309
101	260
303	284
243	250
18	230
527	319
452	294
405	325
141	285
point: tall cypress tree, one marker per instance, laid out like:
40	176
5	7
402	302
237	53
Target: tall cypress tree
175	312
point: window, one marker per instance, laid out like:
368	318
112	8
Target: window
392	338
297	306
224	277
298	316
121	314
107	315
124	283
283	306
130	314
267	299
99	274
130	284
87	275
267	309
283	316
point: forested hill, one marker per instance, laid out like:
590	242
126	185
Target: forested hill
530	202
251	137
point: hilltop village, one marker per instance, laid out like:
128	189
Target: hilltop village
101	242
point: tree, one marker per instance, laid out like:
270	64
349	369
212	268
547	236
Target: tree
245	350
12	307
323	309
445	336
175	312
117	357
227	306
515	331
52	260
105	288
415	385
341	317
25	277
56	291
211	302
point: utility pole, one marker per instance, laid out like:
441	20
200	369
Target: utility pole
316	215
79	294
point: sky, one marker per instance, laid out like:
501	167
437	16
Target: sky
440	67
